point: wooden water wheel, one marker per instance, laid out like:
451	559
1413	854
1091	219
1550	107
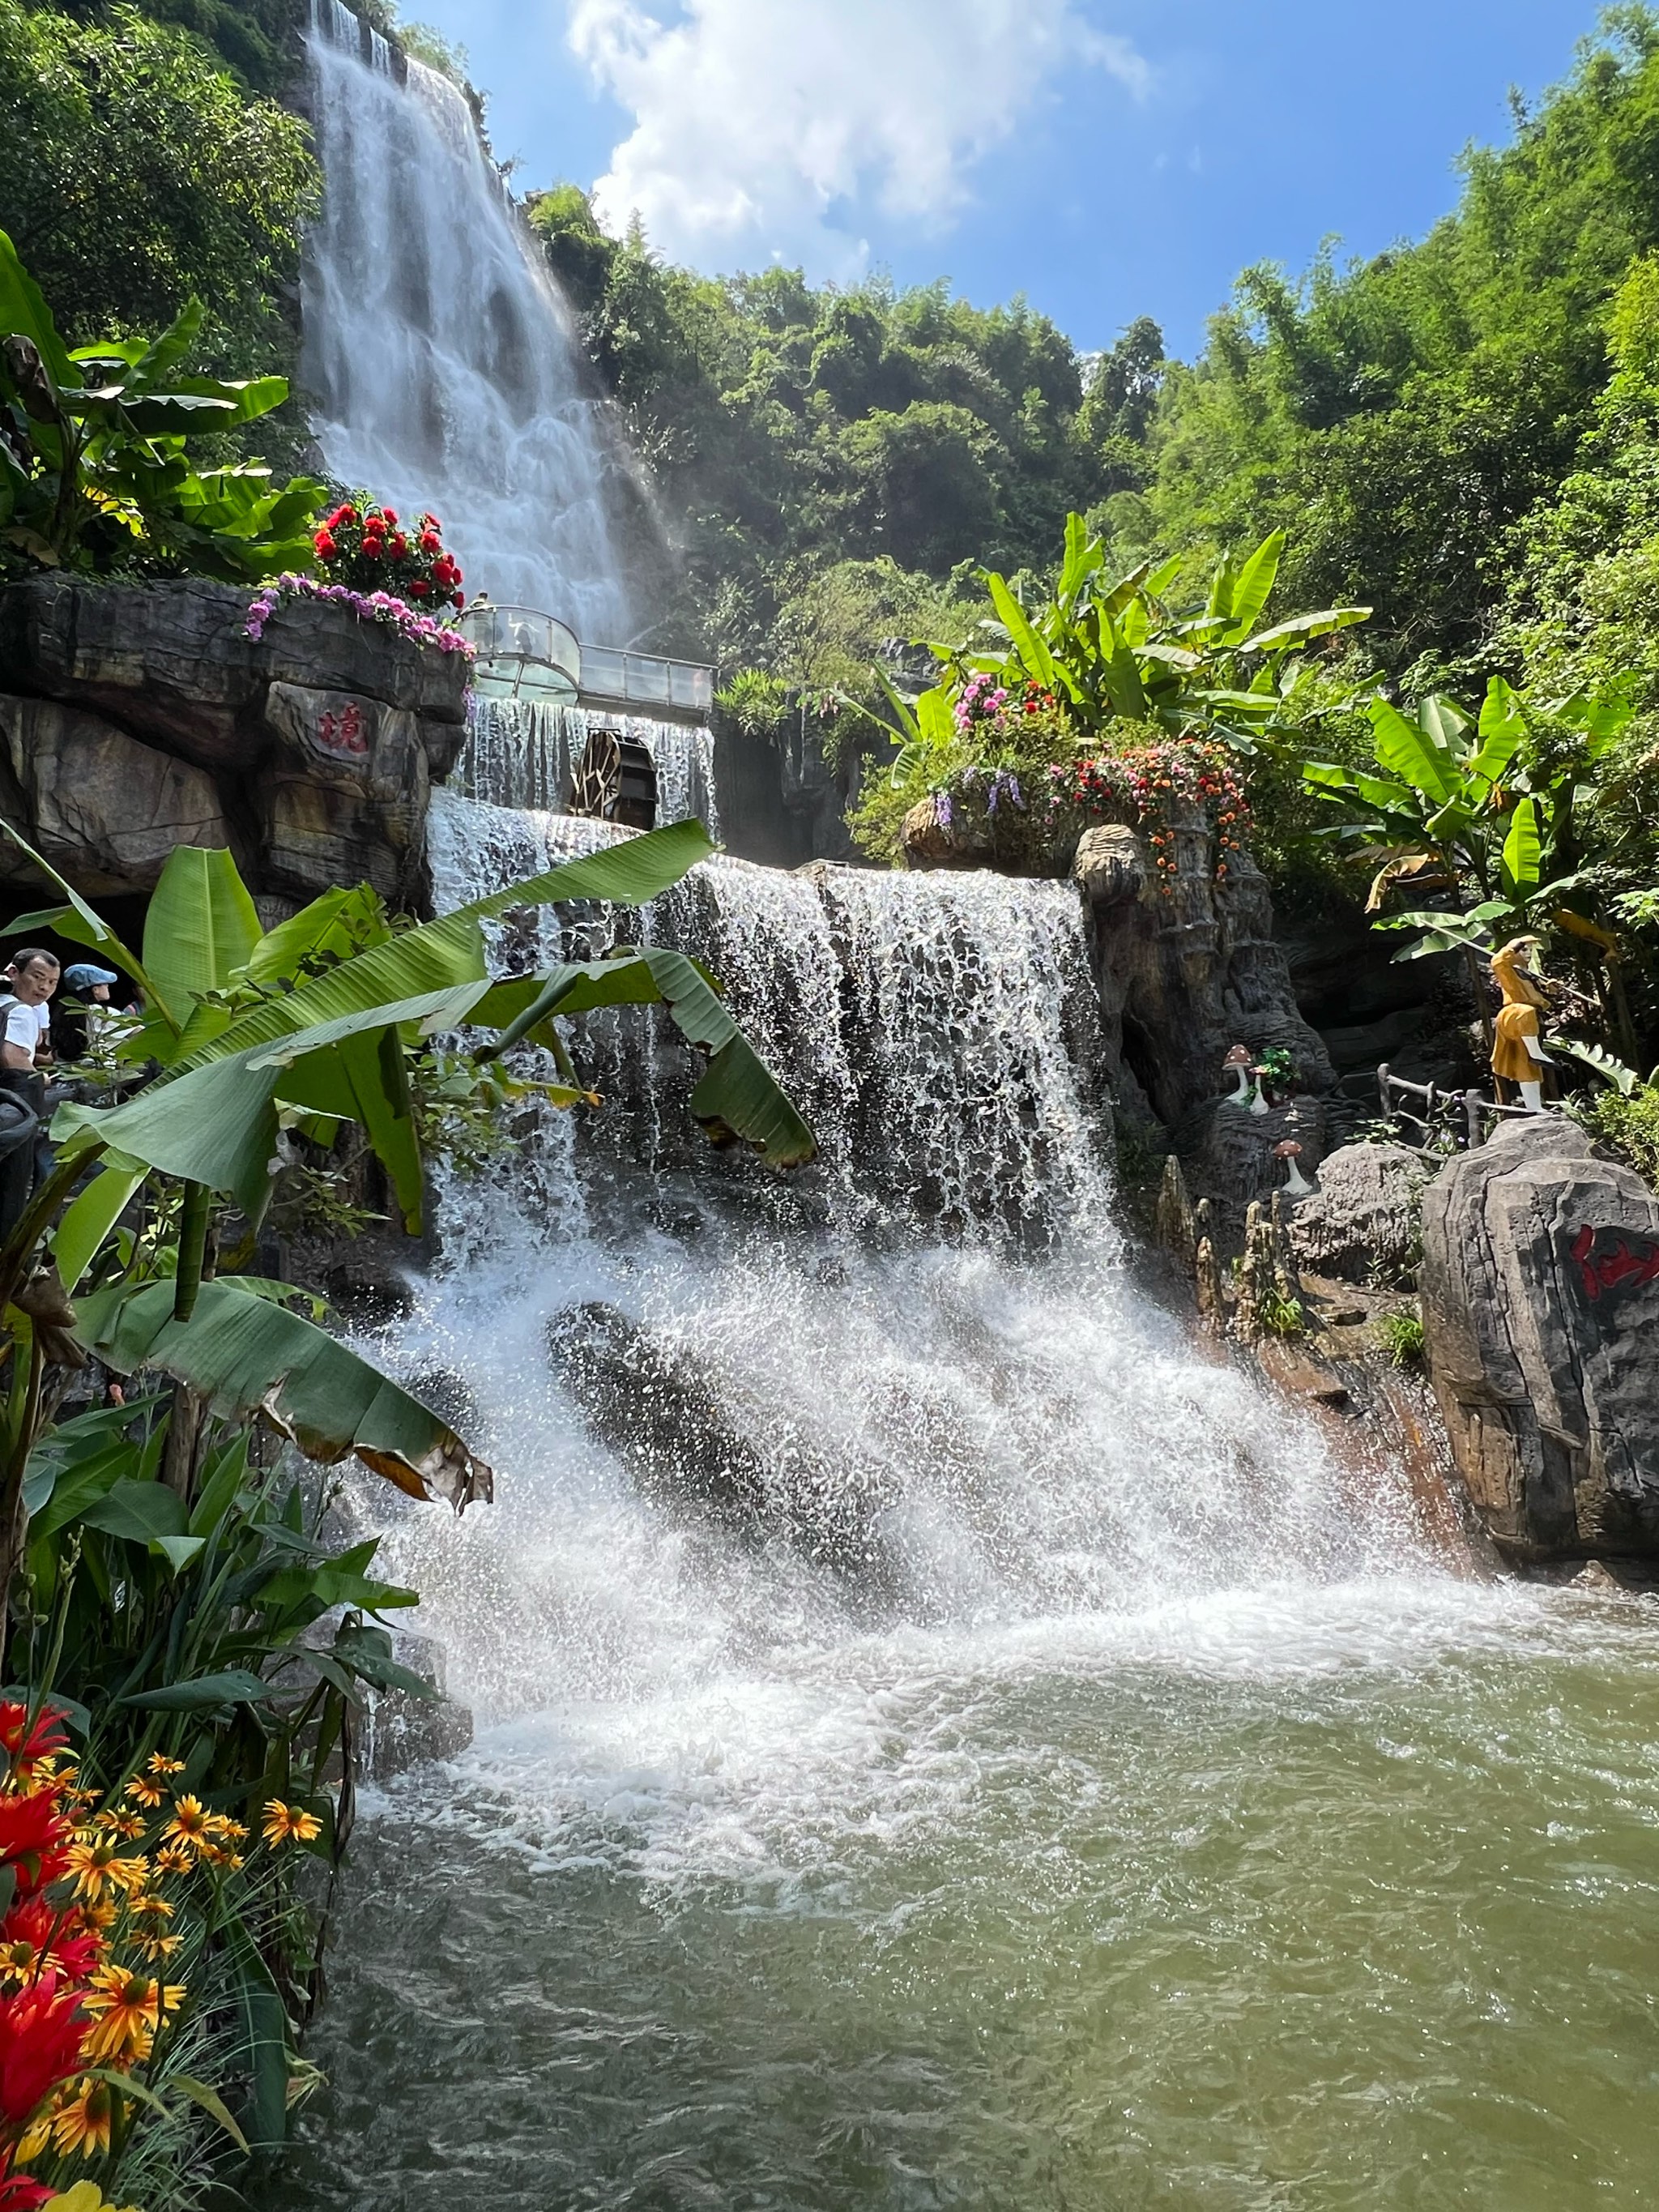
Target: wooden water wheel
616	781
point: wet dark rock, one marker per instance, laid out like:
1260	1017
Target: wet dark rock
1541	1311
1228	1155
644	1400
1187	968
1365	1221
449	1395
405	1731
641	1401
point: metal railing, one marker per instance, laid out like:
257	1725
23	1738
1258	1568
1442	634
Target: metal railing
522	654
1448	1121
616	678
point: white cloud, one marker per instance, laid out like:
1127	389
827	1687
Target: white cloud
769	127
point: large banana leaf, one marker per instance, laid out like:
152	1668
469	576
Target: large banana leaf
200	928
214	1123
1255	585
247	1356
1411	753
1039	662
739	1097
448	953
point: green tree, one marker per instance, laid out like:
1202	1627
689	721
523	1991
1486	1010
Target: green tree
137	172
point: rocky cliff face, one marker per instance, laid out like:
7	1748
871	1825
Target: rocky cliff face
135	718
1540	1311
1187	967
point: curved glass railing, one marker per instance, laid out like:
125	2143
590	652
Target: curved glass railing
522	654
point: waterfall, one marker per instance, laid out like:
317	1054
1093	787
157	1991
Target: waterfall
949	1408
522	753
442	362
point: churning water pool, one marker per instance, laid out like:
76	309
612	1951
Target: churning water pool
1303	1900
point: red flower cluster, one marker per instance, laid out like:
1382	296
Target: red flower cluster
1156	783
363	545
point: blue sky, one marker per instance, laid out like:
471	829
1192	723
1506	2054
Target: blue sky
1106	160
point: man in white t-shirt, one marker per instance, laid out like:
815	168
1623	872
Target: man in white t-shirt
25	1053
30	982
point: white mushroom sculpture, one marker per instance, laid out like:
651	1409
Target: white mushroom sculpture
1238	1058
1295	1183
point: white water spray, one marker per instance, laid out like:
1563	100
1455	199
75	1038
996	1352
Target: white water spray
443	365
968	1442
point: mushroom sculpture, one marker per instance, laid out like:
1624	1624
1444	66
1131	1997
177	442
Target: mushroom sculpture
1295	1183
1238	1059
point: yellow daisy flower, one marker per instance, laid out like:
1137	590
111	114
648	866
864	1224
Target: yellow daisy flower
160	1763
99	1869
191	1822
290	1824
126	2010
143	1791
81	2128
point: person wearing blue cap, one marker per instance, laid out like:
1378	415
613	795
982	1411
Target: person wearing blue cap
78	1023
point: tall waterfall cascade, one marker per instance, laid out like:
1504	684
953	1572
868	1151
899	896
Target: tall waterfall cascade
929	1330
444	365
522	753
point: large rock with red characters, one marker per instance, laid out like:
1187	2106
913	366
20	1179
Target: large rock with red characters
137	717
1540	1310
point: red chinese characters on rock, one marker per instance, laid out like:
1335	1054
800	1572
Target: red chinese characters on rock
1624	1267
342	733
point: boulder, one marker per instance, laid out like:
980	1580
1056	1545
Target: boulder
1111	865
405	1731
1365	1221
104	809
172	661
342	797
1228	1154
1540	1308
643	1399
310	752
961	842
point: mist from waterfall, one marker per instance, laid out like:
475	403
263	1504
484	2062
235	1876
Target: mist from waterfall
929	1333
441	361
985	1751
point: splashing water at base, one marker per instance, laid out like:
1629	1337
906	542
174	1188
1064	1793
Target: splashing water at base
1067	1785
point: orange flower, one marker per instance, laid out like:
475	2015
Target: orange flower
290	1824
191	1823
174	1858
160	1763
99	1869
126	2010
81	2129
143	1791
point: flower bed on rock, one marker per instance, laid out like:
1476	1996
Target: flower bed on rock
395	614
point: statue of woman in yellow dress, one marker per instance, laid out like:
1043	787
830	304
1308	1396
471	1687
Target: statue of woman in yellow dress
1517	1053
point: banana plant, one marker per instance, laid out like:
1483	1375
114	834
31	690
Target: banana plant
1125	650
312	1024
94	472
1464	806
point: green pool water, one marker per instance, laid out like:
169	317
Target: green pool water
1292	1901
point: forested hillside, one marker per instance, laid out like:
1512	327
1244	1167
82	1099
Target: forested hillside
1459	432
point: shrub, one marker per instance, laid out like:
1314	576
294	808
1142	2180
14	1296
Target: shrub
1401	1337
